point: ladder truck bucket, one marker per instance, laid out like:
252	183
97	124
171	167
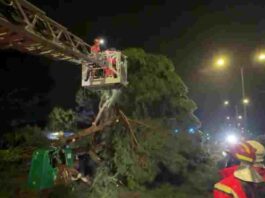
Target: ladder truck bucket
111	73
26	28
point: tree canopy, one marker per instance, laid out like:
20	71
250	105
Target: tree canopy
155	90
157	163
143	157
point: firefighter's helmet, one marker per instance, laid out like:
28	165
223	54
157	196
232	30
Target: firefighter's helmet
244	152
260	150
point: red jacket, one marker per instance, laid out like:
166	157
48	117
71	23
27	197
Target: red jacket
108	72
230	170
229	187
95	48
226	172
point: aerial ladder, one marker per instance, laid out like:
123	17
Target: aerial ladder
26	28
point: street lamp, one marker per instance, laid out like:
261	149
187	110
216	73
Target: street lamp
245	101
220	63
226	103
240	117
261	57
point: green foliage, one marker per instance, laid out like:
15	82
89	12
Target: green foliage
60	119
167	191
134	167
159	163
105	184
26	137
11	170
154	94
10	155
156	90
87	106
131	163
87	98
14	160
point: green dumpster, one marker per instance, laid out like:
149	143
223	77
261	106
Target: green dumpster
42	174
43	170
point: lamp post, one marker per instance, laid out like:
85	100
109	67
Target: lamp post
245	101
234	119
221	62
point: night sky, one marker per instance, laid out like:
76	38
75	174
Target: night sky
189	32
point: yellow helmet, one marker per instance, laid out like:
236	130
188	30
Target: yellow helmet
260	150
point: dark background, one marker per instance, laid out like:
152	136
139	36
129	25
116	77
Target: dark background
189	32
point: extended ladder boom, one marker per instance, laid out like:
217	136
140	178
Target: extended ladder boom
26	28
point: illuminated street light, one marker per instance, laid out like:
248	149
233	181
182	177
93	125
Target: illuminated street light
228	118
261	57
220	62
245	101
226	102
240	117
232	139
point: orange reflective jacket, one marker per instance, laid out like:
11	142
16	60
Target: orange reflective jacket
226	172
229	187
95	48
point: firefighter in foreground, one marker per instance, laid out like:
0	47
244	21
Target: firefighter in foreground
244	180
260	154
232	163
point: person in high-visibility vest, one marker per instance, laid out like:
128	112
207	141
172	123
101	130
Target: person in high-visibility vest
231	165
110	68
245	182
260	154
96	47
258	164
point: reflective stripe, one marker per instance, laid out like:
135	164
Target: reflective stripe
226	189
246	147
242	157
